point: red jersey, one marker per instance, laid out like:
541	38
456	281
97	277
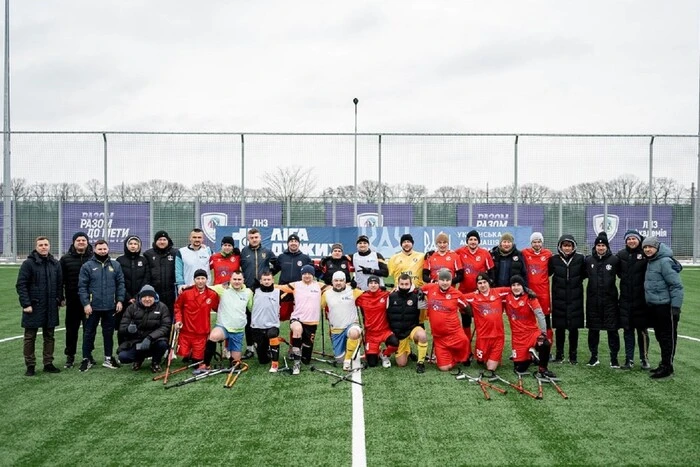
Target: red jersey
487	311
437	261
521	316
192	309
538	275
444	309
373	306
223	266
472	264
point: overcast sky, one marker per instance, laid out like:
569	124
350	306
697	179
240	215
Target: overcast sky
429	66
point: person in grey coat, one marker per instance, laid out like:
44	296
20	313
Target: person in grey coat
40	290
663	290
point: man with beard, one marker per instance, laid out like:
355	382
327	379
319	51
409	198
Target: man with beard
537	264
372	304
403	316
78	254
337	261
161	267
368	263
191	258
136	275
507	262
192	315
410	262
289	265
342	318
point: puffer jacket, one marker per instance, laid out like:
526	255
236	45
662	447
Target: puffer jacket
567	274
662	282
402	312
71	263
602	307
101	284
506	266
135	269
40	285
153	322
161	266
633	305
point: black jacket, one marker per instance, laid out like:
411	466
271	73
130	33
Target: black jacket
330	265
633	305
161	269
602	308
567	274
289	266
402	312
507	266
40	285
136	272
153	322
71	263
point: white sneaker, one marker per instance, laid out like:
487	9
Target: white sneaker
297	367
347	365
386	361
273	368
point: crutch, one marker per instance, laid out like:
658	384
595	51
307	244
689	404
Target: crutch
553	382
336	375
198	377
174	372
174	338
485	385
348	376
286	368
520	389
234	373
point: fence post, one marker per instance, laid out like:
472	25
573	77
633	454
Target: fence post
605	213
197	211
425	211
242	180
651	185
60	228
106	203
334	222
471	211
515	183
151	213
561	218
381	190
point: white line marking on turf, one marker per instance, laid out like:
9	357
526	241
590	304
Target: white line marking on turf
359	452
14	338
695	339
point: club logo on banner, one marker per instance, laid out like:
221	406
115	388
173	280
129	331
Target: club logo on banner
210	221
370	219
610	228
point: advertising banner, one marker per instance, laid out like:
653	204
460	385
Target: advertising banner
501	216
623	218
257	215
392	214
125	219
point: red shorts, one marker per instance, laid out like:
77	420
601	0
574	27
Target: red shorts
286	309
192	344
451	350
489	349
374	339
521	346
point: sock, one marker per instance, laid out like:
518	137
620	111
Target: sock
274	364
350	348
275	349
422	351
389	350
209	351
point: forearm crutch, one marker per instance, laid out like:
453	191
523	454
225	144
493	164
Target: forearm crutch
518	388
174	338
234	373
553	382
174	372
198	377
335	375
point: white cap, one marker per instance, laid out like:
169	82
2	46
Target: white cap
339	275
536	236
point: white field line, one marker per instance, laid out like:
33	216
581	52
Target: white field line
359	450
14	338
694	339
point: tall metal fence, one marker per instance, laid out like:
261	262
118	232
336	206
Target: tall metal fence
142	182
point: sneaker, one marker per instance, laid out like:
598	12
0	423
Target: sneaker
274	367
70	361
645	365
136	366
31	371
111	363
347	365
534	355
296	369
155	367
593	361
248	354
629	364
201	369
420	368
557	359
85	364
614	364
664	372
50	368
93	362
386	361
545	374
573	362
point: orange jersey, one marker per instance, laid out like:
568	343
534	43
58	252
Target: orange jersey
437	261
488	312
223	266
521	316
373	306
472	264
538	275
444	309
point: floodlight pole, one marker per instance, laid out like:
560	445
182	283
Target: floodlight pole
354	208
7	224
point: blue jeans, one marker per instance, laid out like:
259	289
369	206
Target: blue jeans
156	352
90	330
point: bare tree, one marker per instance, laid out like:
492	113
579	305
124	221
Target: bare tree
534	193
290	183
447	194
94	190
66	191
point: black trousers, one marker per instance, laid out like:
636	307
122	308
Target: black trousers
666	331
75	316
560	338
642	336
613	342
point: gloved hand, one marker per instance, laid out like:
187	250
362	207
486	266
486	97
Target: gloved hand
422	301
353	283
145	344
676	310
366	270
132	328
542	338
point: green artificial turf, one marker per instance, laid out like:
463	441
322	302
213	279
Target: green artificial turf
121	417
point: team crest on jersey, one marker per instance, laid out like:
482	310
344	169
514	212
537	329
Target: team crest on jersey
608	267
210	221
263	255
299	263
110	269
515	258
521	303
639	256
448	296
170	258
139	264
208	301
478	258
492	298
409	302
542	258
382	300
343	266
448	258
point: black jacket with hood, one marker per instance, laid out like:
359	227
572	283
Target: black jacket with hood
568	272
135	269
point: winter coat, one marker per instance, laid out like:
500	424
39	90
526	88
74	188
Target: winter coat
330	265
101	284
602	306
40	285
71	263
567	274
402	312
662	282
289	266
255	261
161	268
633	304
136	272
153	322
506	266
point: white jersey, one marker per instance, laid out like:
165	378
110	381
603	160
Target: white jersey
266	309
369	261
191	260
342	311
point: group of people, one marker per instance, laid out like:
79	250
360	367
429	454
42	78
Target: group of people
147	296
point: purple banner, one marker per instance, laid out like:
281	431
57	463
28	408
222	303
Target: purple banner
623	218
501	216
125	219
392	215
256	215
